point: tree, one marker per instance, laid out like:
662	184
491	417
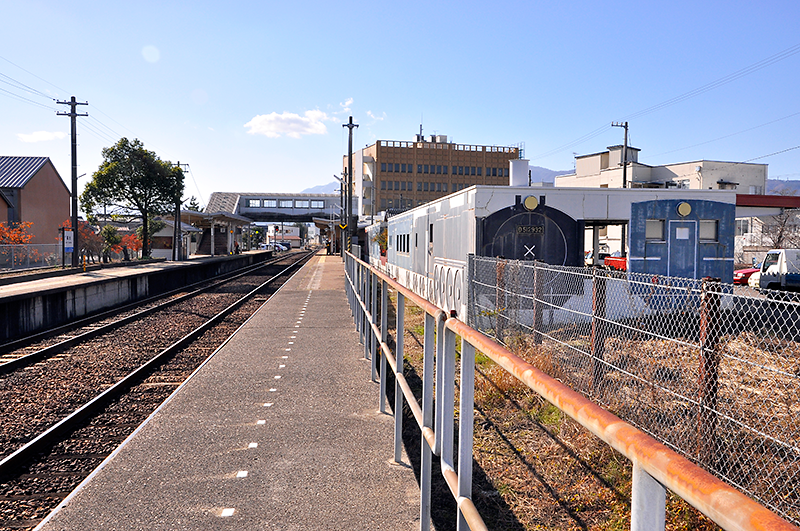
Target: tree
193	205
781	230
16	233
89	241
131	241
111	240
132	179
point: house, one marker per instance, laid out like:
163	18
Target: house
31	190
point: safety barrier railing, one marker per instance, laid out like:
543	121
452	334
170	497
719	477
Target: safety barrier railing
656	467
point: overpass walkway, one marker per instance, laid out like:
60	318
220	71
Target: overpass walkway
279	429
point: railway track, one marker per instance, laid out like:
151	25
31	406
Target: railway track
66	411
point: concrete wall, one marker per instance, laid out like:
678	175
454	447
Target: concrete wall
25	314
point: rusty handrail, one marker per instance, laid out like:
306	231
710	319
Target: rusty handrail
725	505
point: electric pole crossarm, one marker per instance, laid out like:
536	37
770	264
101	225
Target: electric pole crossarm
350	229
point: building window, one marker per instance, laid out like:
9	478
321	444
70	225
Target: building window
410	185
472	170
426	186
397	168
419	186
390	168
301	203
742	226
654	229
397	185
709	230
383	204
383	185
402	186
317	204
286	203
419	168
270	203
494	172
426	168
403	168
444	169
383	166
455	170
254	203
479	171
444	187
438	187
461	170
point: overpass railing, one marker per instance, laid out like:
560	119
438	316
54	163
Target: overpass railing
656	467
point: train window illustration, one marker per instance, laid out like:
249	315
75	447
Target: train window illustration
654	229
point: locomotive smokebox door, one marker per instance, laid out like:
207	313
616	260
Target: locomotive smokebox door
543	234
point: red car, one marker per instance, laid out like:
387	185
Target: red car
741	276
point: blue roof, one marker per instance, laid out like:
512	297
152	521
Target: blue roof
15	172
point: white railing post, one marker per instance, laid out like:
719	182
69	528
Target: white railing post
374	313
447	408
439	400
465	426
398	391
384	336
648	502
427	422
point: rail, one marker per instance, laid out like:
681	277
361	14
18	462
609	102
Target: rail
655	466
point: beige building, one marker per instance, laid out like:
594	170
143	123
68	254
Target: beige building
400	174
604	170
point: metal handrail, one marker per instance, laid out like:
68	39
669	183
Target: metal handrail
655	466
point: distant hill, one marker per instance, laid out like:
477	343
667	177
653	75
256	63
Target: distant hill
783	187
330	188
539	174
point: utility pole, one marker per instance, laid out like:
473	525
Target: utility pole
177	233
624	175
73	123
350	125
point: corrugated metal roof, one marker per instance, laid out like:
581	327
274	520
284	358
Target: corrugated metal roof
15	172
223	202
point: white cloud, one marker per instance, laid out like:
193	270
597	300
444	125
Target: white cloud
376	118
41	136
346	105
274	125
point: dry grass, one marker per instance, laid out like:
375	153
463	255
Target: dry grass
535	468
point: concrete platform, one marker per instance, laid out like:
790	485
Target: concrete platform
280	429
56	299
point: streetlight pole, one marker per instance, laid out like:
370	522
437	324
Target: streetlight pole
349	177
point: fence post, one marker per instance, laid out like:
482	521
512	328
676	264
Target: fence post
499	299
466	411
709	372
648	502
384	336
538	303
374	312
426	465
599	329
399	356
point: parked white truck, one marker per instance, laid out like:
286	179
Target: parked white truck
780	270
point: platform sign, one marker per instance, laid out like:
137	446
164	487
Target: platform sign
69	242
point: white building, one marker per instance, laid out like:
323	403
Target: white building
605	170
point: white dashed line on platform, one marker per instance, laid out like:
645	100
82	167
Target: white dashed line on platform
241	474
252	445
227	512
260	422
268	404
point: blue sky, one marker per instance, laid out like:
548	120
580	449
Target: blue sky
253	95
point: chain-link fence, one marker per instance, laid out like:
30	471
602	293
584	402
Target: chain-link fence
29	256
710	369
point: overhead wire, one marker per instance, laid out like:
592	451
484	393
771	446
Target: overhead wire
775	58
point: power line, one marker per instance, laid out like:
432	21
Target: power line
19	84
34	75
728	136
22	98
780	56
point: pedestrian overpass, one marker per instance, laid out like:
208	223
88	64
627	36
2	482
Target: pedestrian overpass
276	208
